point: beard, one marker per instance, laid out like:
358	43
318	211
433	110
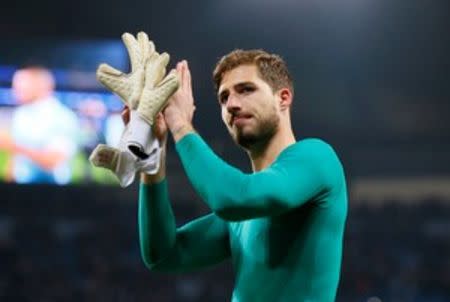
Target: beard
259	135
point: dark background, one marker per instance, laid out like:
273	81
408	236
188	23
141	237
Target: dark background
371	77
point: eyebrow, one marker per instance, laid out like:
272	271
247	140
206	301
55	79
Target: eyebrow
236	86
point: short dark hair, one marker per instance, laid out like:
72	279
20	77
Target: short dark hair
271	67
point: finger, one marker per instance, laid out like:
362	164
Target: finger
125	115
188	84
179	68
133	49
180	72
159	118
177	71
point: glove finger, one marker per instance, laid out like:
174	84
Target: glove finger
166	88
172	79
152	59
142	39
150	52
156	69
106	69
153	100
116	84
105	157
144	46
163	60
151	47
133	49
158	76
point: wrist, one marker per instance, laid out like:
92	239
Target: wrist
155	178
179	131
160	175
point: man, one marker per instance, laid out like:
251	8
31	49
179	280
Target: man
43	132
283	224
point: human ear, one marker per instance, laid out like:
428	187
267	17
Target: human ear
285	96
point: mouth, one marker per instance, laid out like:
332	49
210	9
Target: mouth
239	119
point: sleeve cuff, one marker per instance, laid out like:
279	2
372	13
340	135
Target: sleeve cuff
187	142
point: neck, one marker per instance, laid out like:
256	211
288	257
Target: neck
265	154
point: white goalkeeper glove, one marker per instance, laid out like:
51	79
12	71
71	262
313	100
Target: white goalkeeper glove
155	96
145	94
129	86
123	163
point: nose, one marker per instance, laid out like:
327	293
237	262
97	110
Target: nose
233	103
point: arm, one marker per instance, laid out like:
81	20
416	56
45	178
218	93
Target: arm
304	172
56	145
47	158
200	243
301	173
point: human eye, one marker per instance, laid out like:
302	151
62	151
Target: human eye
247	89
223	98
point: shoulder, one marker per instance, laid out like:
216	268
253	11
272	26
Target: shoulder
311	148
313	142
63	110
22	115
315	156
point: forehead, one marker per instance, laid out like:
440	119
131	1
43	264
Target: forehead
240	74
22	74
22	79
27	75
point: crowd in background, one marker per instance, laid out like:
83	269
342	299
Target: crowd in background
67	245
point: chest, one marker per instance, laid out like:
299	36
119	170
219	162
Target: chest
249	238
272	241
261	241
37	125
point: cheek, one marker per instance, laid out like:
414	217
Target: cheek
268	108
224	116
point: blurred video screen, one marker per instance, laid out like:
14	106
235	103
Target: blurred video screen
47	131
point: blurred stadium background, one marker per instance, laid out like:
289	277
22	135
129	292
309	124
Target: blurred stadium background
371	77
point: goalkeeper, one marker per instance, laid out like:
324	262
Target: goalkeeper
283	224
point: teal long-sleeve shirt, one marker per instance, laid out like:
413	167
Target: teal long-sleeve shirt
282	226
